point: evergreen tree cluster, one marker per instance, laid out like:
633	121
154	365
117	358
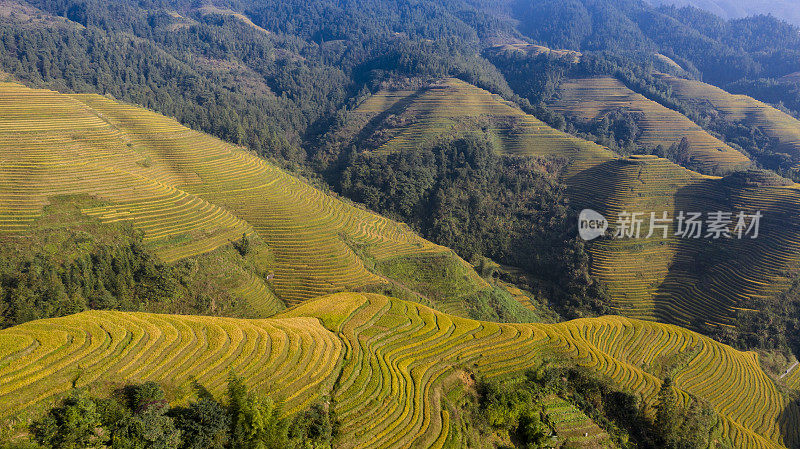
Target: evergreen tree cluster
460	193
138	416
515	407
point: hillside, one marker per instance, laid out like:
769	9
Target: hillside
775	124
372	212
191	194
681	281
393	361
736	9
593	98
684	280
396	120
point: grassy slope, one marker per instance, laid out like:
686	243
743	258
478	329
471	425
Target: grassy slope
385	361
189	193
674	281
591	98
741	108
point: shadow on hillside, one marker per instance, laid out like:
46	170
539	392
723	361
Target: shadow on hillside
379	120
789	423
593	187
709	277
696	262
357	141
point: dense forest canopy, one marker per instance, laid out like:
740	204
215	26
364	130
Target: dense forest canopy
736	9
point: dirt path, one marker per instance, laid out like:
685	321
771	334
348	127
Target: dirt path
788	371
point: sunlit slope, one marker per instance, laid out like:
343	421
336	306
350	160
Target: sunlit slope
51	144
189	192
390	361
793	379
592	98
672	280
403	352
741	108
408	119
293	359
686	281
632	269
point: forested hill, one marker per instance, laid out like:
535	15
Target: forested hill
272	74
736	9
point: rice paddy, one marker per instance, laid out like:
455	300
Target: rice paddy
593	98
188	192
679	281
452	105
776	124
391	358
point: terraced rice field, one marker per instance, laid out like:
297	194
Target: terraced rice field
190	193
572	426
672	280
741	108
43	358
792	380
452	105
54	145
683	280
390	357
593	98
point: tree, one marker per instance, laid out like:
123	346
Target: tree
74	425
667	413
315	428
148	427
243	245
533	432
256	422
204	424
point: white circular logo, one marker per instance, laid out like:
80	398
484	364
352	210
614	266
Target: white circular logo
591	224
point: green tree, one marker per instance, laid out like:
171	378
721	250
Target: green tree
243	245
315	428
204	424
148	427
256	422
666	421
75	424
533	432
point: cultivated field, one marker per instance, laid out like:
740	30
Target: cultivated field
593	98
408	119
190	193
391	359
572	426
741	108
672	280
684	280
